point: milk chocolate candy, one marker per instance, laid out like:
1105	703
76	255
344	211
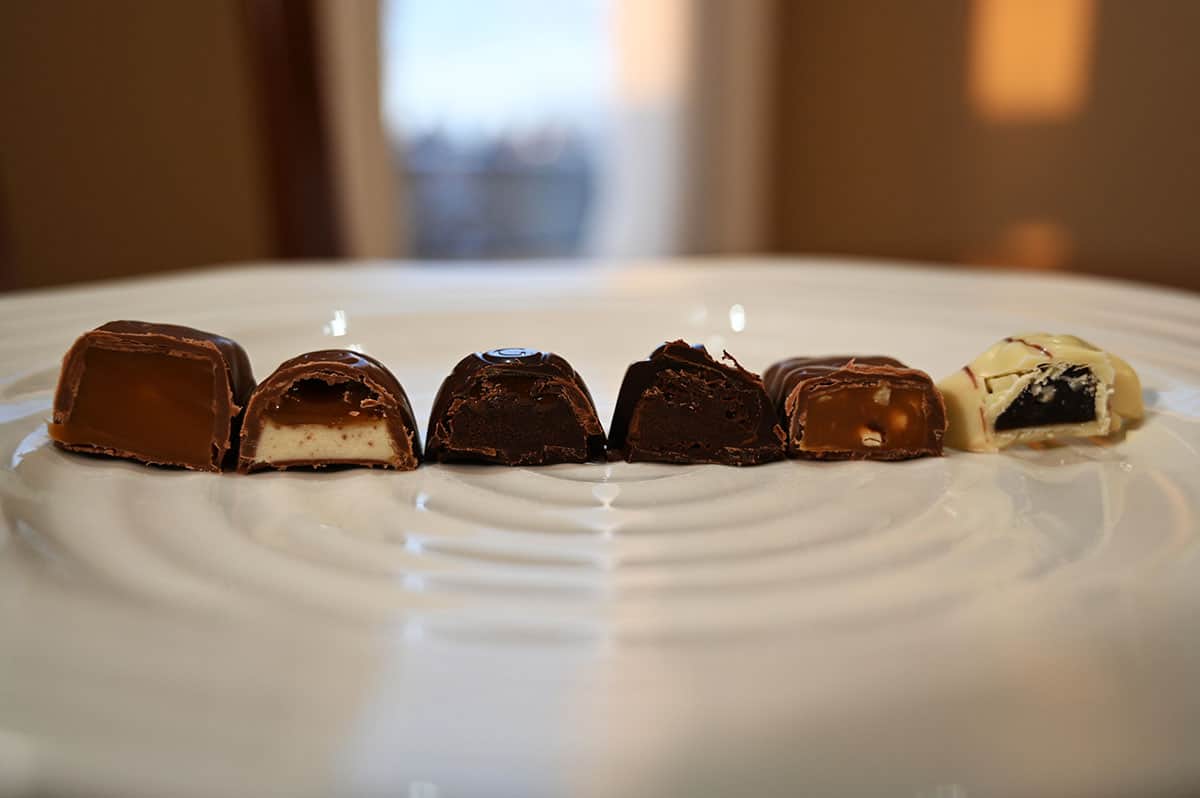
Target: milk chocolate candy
856	408
332	407
1037	387
514	407
682	406
158	393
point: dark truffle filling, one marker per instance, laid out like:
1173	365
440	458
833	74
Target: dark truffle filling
688	417
1068	398
517	421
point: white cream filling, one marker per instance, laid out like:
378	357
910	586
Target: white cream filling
291	443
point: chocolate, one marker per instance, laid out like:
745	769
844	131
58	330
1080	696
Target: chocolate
682	406
514	407
1038	387
158	393
332	407
848	407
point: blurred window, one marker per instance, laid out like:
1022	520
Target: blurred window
497	111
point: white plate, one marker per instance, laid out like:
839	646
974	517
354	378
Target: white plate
1016	624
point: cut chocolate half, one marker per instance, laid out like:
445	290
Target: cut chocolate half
856	408
1037	387
514	407
681	406
158	393
332	407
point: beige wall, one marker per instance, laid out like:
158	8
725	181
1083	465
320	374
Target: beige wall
129	142
1042	133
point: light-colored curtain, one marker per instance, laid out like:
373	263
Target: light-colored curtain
368	193
732	83
687	169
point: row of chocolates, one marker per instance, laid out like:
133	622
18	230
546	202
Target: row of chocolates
172	395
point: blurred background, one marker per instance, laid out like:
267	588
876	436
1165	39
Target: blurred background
141	136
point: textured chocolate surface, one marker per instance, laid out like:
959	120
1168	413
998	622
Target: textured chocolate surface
514	407
844	407
159	393
682	406
336	389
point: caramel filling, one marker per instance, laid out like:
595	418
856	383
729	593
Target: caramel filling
865	418
155	406
313	401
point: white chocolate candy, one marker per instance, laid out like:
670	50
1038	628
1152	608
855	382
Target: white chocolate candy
1033	367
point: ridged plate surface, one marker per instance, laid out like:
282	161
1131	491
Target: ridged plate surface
1016	624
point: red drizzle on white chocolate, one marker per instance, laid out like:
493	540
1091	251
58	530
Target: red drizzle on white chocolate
1037	347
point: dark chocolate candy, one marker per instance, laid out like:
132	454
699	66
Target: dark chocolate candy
856	408
514	407
158	393
681	406
332	407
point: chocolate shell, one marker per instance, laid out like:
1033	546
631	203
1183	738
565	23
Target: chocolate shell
514	407
846	407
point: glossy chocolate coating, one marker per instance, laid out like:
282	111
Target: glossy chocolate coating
159	393
514	407
334	388
682	406
845	407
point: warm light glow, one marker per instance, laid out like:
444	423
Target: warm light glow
1029	244
652	43
1036	245
1029	59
